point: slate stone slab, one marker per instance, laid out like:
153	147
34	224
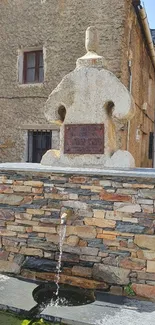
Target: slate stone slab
16	294
39	264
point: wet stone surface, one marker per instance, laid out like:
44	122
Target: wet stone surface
107	309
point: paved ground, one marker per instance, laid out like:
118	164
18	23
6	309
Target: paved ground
106	310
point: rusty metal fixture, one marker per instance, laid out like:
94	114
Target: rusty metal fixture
84	139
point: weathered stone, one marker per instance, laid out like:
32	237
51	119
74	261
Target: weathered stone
125	207
114	215
99	214
75	204
73	196
11	199
103	223
23	216
145	201
105	183
48	221
150	267
95	259
41	244
144	290
141	275
2	223
85	213
72	250
4	232
133	264
72	240
116	290
19	259
23	189
27	222
82	243
105	196
16	228
89	251
78	179
129	228
111	274
51	230
148	194
56	196
111	242
147	208
10	241
94	242
145	241
131	220
31	251
5	189
110	260
85	272
35	211
49	255
81	231
66	257
7	215
74	281
55	239
4	255
37	190
126	191
39	264
9	267
34	183
146	254
138	185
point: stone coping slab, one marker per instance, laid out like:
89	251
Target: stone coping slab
38	168
16	294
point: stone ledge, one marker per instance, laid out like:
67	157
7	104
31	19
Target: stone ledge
33	167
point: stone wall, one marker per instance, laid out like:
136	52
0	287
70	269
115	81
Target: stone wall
141	82
110	241
58	27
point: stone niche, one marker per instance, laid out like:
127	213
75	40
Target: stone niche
86	104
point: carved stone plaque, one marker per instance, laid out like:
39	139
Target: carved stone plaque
84	139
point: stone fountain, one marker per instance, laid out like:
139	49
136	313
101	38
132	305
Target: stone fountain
88	103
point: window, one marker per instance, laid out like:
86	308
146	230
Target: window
38	143
33	69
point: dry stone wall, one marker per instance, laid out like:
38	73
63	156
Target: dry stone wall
110	241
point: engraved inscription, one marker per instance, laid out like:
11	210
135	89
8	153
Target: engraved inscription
84	139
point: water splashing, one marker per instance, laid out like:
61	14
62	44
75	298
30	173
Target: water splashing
62	235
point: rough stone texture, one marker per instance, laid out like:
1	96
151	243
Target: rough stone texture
145	241
111	274
39	265
82	271
9	267
150	266
144	290
10	199
121	243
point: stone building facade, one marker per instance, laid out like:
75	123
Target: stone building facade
56	29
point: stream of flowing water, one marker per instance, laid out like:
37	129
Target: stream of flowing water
62	234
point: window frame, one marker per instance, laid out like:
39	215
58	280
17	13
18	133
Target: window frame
31	148
37	66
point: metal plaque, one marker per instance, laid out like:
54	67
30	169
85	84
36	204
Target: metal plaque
84	139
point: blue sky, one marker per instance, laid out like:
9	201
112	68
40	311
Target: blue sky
150	9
